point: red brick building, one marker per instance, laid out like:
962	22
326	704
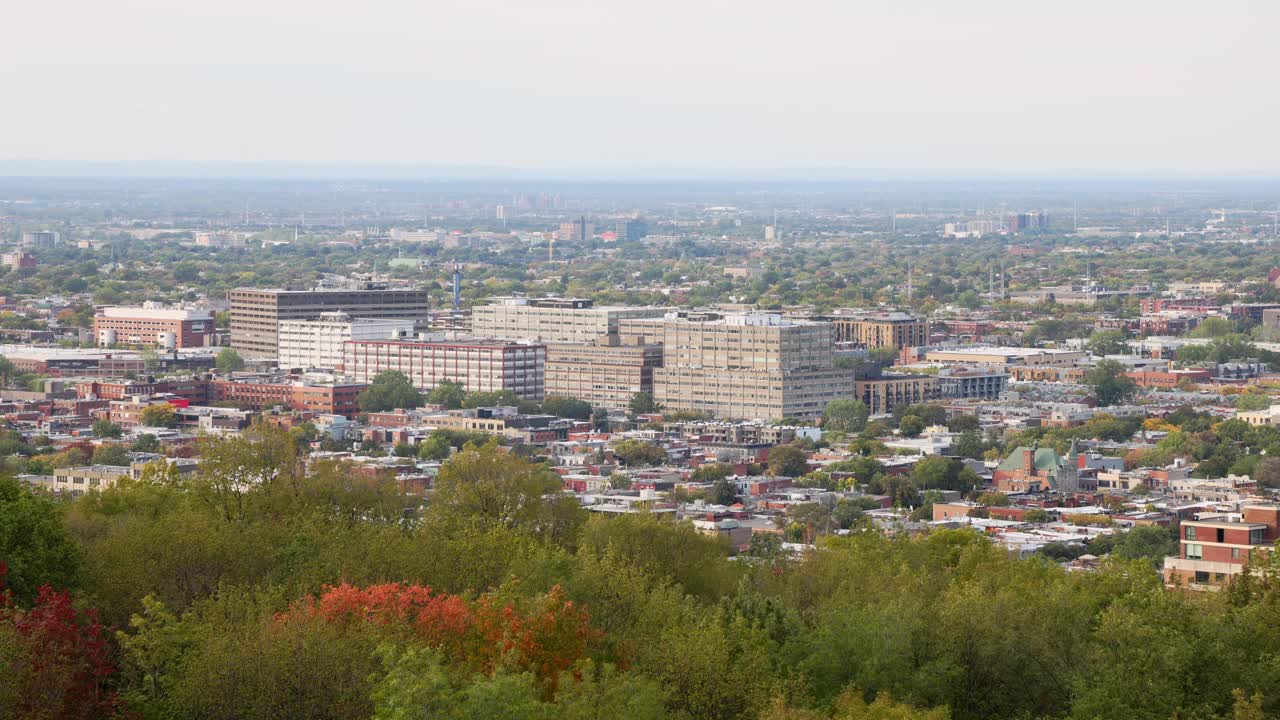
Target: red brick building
1211	551
319	398
148	326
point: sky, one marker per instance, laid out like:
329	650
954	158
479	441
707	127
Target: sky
1038	87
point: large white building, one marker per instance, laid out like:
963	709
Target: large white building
318	344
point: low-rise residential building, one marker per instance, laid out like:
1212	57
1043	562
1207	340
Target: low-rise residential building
321	396
80	479
1212	549
1268	416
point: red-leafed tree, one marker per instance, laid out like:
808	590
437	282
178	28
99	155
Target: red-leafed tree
546	636
57	659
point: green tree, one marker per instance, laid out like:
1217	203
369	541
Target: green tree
35	546
389	390
159	415
146	443
1213	327
788	461
632	452
1246	402
1151	543
723	492
106	429
642	403
968	444
448	394
434	447
911	426
7	371
845	415
711	472
1108	342
566	408
499	489
228	360
1036	515
111	455
1110	385
494	398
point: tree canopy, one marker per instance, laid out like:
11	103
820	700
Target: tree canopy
389	390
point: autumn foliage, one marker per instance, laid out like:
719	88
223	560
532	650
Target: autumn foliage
545	636
57	659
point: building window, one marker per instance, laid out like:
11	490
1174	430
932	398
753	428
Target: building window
1202	576
1194	551
1235	553
1191	533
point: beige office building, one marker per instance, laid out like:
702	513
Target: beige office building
754	366
256	313
552	320
605	375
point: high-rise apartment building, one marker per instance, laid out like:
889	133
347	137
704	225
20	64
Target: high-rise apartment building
632	230
755	366
256	313
880	330
318	344
1019	222
576	230
481	365
40	238
552	320
605	374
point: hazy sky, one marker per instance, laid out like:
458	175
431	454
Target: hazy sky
1021	86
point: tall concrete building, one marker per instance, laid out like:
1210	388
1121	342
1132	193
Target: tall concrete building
41	238
552	320
755	366
605	374
576	230
256	313
631	230
880	329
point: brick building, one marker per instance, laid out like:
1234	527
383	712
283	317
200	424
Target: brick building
153	325
1214	549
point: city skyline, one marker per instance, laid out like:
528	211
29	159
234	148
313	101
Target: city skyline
593	90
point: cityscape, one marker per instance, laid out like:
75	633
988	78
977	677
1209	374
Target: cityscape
674	411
